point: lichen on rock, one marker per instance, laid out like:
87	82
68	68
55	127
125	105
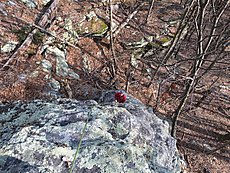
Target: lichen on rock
92	25
42	136
8	47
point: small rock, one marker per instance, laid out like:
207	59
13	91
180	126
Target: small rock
30	3
46	66
92	25
62	67
8	47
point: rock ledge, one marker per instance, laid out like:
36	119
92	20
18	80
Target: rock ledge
42	136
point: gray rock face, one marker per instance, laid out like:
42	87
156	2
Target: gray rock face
42	137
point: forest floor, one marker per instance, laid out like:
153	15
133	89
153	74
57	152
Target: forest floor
199	128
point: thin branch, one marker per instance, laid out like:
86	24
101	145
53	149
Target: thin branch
22	45
158	94
127	20
128	75
218	148
114	64
150	11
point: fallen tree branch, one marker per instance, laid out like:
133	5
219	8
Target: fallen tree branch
42	21
24	44
46	15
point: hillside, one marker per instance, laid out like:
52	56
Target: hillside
172	55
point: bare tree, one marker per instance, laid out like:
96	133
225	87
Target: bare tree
209	36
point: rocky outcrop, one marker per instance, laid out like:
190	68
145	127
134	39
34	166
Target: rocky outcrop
43	136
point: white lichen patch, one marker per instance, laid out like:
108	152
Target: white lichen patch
8	47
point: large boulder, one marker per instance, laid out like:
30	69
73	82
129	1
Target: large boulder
42	137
